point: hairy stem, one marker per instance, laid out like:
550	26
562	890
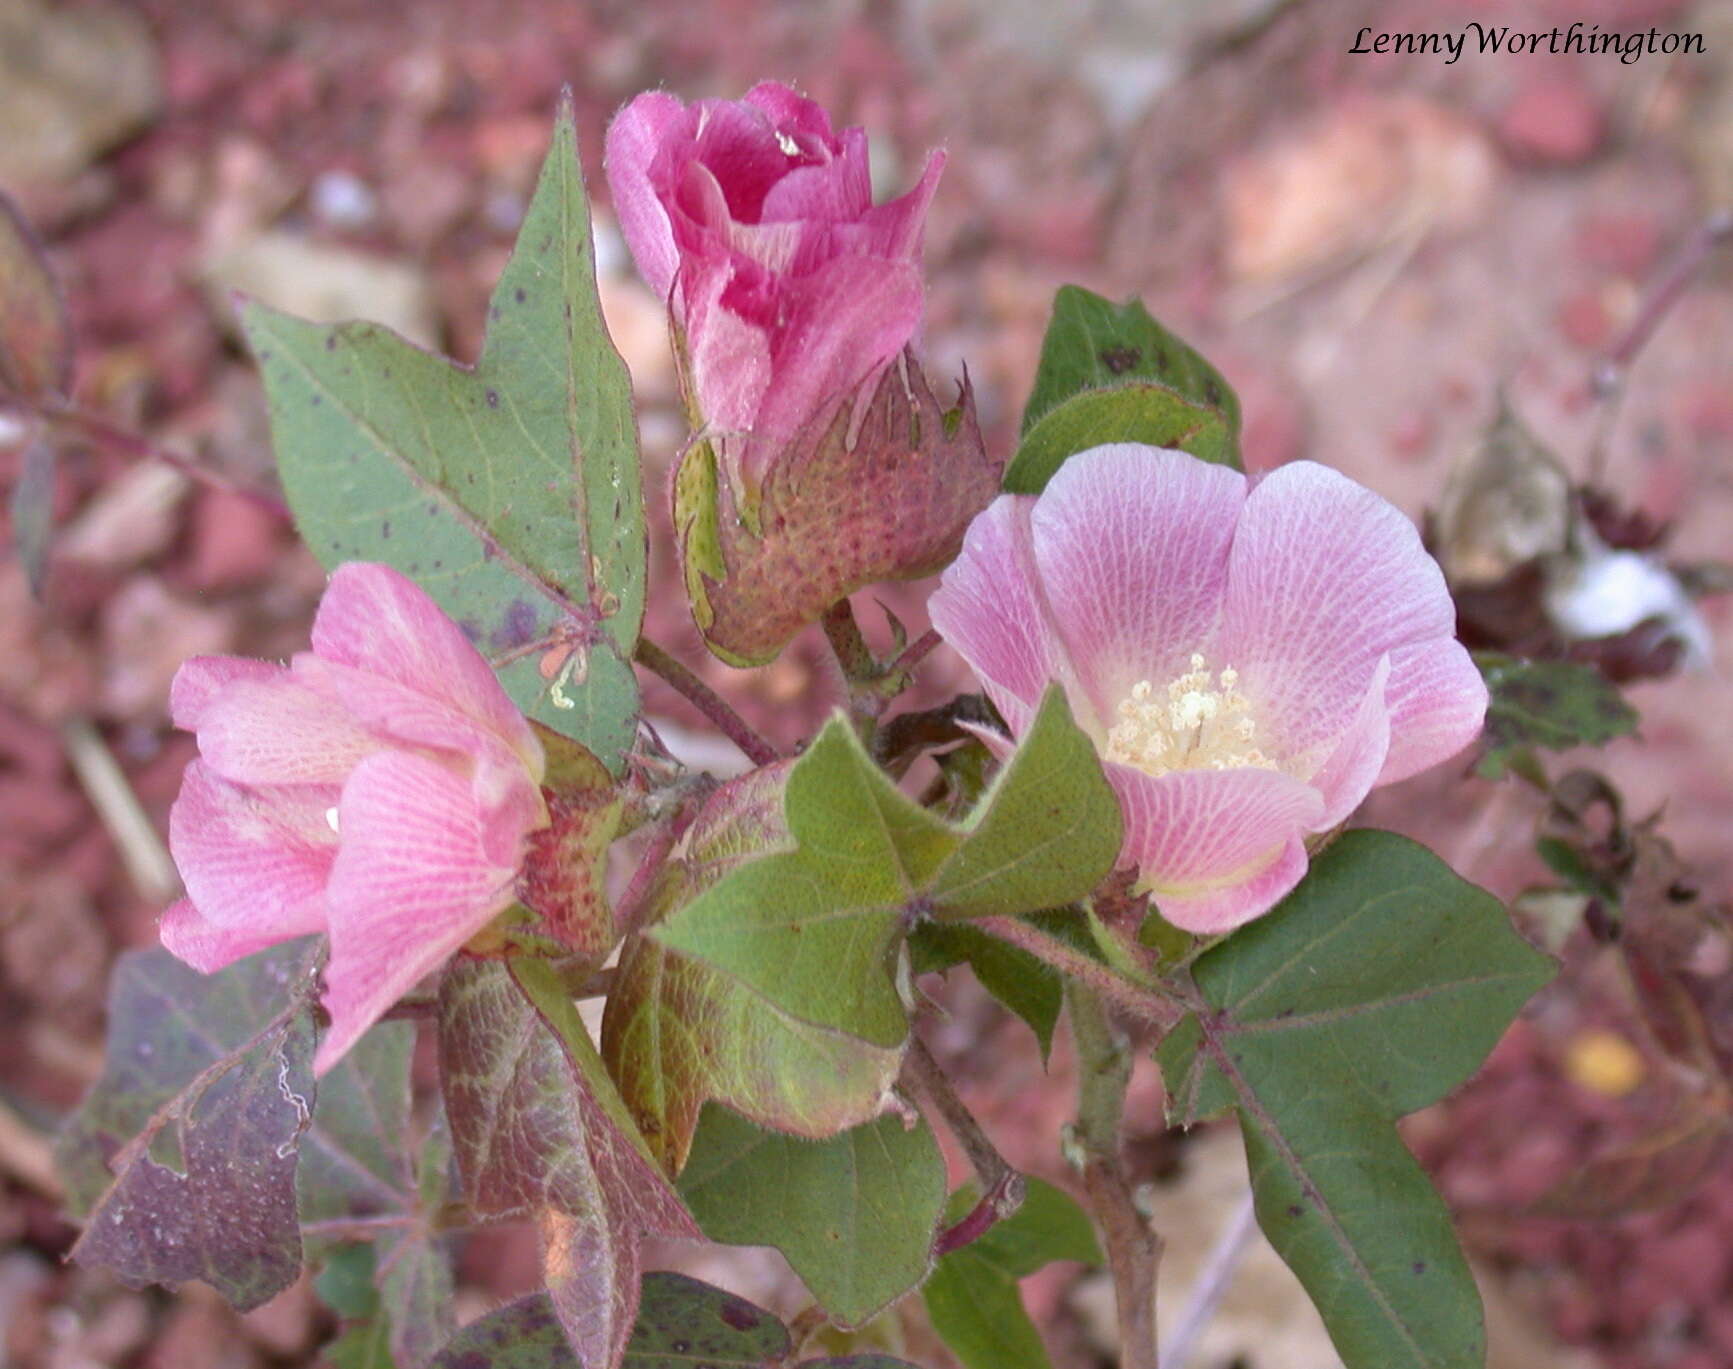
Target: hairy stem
706	700
1133	1248
1129	997
629	911
916	651
851	650
1002	1187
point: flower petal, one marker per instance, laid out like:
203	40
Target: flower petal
635	138
1132	544
253	860
377	620
1351	769
209	946
1324	579
280	731
839	189
893	229
1437	702
412	882
201	678
787	109
1215	847
988	607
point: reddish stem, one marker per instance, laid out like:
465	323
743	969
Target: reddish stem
706	700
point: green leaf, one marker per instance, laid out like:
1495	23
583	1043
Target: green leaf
1110	373
510	491
1376	987
365	1345
539	1130
972	1298
1027	985
813	929
854	1213
681	1323
1555	704
677	1032
183	1155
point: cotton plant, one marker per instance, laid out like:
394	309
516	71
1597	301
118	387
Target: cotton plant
449	821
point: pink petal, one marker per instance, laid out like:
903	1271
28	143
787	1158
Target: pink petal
894	229
840	189
635	138
253	860
1437	702
739	145
844	322
202	678
792	112
1132	544
1324	579
208	946
1351	769
412	882
729	357
988	606
1215	847
280	731
379	621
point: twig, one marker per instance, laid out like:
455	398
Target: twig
916	651
1130	998
1002	1187
148	863
844	635
1608	378
706	700
1212	1283
1133	1248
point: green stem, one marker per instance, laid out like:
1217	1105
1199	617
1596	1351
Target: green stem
1130	997
1133	1248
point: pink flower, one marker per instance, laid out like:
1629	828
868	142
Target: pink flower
379	788
755	221
1250	657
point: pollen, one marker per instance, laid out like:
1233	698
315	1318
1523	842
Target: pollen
1199	721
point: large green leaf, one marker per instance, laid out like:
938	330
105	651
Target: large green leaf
1110	373
972	1296
1555	704
540	1130
854	1213
1024	983
182	1158
1376	987
510	491
812	929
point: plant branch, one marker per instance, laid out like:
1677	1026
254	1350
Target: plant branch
706	700
1131	998
915	652
1002	1187
1133	1248
846	642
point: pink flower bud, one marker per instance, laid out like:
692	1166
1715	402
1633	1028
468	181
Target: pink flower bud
380	788
1250	657
789	289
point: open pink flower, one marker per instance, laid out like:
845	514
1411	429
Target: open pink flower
755	221
379	788
1251	657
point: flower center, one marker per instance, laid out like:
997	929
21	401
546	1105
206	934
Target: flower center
1192	725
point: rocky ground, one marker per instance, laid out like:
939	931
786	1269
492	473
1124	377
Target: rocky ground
1372	247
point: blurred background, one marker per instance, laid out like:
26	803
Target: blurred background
1372	248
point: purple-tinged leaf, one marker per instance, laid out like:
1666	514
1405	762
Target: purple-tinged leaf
35	336
198	1117
541	1131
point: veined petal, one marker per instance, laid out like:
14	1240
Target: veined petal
200	679
253	860
793	112
635	139
893	229
209	946
280	730
1351	768
1325	578
1132	545
829	191
1215	847
412	882
739	144
989	608
1437	702
378	620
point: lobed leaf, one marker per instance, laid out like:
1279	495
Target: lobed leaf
1110	373
1555	704
1374	988
510	490
854	1213
182	1158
